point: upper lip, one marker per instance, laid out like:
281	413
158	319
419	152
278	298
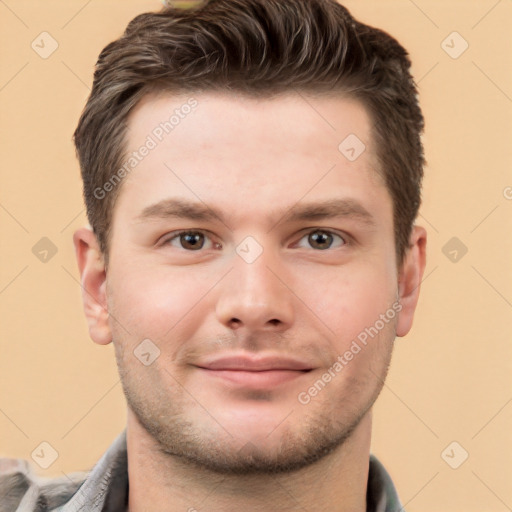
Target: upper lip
255	364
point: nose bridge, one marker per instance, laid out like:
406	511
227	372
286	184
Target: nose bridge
252	295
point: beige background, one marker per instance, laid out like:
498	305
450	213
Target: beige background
451	376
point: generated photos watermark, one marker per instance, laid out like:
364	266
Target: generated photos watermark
304	397
156	136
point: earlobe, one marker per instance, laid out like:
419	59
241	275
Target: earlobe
409	280
93	281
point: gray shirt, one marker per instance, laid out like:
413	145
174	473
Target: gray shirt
105	487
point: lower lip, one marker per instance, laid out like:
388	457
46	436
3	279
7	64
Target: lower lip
260	379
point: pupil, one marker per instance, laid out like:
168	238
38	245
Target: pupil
320	238
193	241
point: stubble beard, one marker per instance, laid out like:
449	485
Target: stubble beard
207	445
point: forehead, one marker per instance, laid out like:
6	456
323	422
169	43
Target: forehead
241	150
290	120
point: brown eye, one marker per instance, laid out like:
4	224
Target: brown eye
190	241
322	240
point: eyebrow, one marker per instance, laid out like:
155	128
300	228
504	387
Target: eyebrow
332	208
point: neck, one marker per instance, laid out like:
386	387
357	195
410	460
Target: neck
335	483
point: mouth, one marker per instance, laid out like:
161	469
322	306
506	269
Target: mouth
252	372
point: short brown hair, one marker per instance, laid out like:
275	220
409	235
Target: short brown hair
259	48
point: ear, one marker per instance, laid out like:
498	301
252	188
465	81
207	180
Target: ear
409	279
93	281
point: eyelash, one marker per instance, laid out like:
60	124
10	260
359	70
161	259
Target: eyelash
176	235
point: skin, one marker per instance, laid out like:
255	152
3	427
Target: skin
195	440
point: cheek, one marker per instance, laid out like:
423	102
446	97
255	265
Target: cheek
155	305
351	302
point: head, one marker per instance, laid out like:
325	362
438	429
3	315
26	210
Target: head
298	254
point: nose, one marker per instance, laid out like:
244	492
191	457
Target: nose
255	296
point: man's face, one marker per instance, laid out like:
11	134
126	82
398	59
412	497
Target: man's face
260	299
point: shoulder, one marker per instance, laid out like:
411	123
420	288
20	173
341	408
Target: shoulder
22	490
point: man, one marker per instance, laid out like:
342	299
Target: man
252	174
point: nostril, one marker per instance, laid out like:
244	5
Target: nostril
235	321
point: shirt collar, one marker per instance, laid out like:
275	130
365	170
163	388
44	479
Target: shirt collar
106	487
